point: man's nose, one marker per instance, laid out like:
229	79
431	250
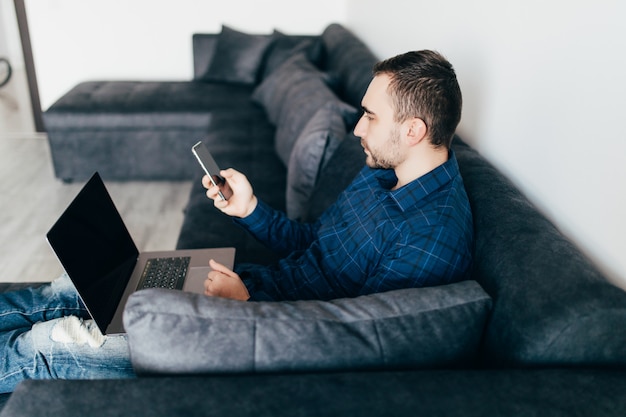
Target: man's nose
359	129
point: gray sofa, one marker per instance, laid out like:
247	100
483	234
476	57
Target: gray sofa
537	331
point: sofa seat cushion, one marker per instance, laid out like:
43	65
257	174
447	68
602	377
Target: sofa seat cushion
137	104
171	332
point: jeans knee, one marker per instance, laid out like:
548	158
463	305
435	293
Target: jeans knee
61	287
72	330
66	332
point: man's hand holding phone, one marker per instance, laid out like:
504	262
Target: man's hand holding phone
229	189
240	200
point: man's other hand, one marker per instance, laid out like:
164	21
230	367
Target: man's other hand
222	282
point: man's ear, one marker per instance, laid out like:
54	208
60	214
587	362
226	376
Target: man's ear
416	130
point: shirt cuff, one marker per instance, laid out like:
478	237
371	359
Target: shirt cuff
256	220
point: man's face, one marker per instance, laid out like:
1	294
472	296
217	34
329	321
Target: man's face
381	136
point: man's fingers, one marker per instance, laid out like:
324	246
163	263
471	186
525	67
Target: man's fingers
216	266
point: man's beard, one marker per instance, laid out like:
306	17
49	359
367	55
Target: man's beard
390	157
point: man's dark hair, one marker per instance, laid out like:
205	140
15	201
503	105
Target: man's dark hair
424	85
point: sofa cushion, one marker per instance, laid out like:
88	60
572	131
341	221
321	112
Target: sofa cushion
314	147
290	96
237	57
284	46
271	92
203	46
343	166
349	59
172	332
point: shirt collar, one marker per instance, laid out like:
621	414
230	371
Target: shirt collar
409	195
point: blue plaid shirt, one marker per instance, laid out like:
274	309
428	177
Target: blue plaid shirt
372	239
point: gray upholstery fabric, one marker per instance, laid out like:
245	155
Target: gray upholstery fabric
300	104
189	333
350	60
343	166
290	96
284	47
144	130
136	99
203	45
427	393
270	94
238	57
552	306
312	151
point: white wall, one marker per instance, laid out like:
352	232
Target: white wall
544	86
543	81
78	40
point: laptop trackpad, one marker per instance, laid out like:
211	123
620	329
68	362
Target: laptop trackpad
195	279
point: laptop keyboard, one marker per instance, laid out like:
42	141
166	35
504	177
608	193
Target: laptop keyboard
164	273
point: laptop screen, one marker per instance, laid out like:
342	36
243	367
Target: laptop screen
96	250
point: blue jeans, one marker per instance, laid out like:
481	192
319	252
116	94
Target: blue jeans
46	333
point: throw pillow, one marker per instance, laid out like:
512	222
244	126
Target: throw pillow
285	46
271	93
238	57
301	102
313	148
173	332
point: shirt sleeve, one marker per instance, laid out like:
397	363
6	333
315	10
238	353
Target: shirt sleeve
278	232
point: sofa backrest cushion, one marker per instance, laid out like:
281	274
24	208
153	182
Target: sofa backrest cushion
312	151
551	305
172	332
338	173
203	46
281	47
348	58
237	57
290	95
285	46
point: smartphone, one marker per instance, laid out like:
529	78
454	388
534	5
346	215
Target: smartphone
209	165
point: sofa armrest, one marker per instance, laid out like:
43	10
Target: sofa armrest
552	306
171	332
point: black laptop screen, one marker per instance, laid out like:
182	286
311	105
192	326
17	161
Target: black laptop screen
95	249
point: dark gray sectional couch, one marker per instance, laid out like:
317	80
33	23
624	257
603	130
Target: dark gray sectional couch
538	331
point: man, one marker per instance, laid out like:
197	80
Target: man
404	222
406	215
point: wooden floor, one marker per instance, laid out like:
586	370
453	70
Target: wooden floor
31	199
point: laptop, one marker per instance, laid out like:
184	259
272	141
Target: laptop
97	252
